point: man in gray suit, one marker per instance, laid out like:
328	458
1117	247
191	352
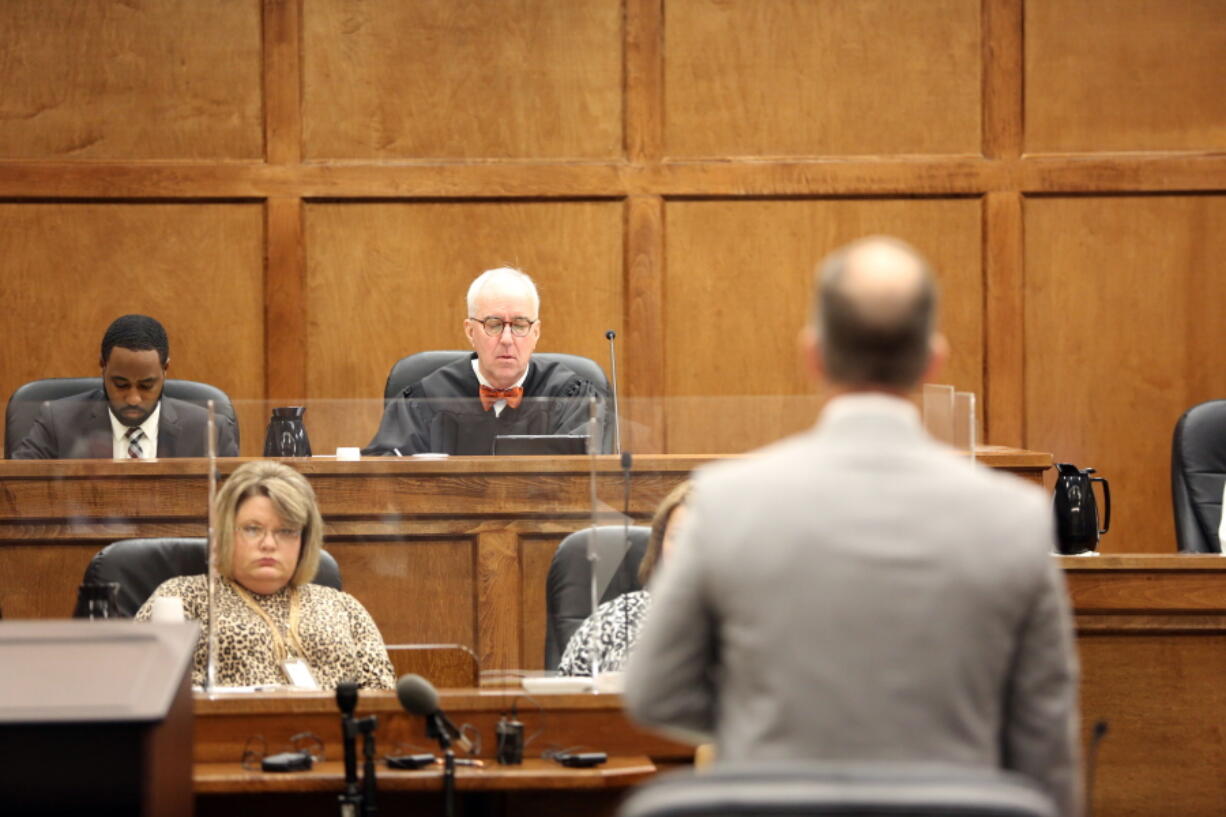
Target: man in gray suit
128	417
859	592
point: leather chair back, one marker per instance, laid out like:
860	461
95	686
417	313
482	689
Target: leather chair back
140	565
568	587
799	789
408	370
1198	473
27	400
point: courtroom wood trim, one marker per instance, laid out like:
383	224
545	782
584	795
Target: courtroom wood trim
644	83
499	587
1004	321
285	307
282	81
1002	78
644	374
827	176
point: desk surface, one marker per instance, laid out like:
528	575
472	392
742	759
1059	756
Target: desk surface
329	776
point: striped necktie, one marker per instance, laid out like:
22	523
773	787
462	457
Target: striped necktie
134	435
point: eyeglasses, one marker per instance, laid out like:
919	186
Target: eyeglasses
254	534
494	326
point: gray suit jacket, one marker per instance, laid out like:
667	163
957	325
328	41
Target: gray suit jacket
858	592
79	427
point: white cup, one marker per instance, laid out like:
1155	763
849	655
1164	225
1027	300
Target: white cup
349	454
167	610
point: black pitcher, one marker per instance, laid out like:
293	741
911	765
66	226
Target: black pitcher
287	436
1076	509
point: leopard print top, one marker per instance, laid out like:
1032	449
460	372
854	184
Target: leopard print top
612	631
341	640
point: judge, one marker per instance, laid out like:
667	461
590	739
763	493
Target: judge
499	389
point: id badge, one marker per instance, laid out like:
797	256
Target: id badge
299	673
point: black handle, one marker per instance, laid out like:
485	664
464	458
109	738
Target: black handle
1106	503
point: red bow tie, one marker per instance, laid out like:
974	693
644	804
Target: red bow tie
513	396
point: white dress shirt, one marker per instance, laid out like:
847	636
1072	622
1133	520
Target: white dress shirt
148	445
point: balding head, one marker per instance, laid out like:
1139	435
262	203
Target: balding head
875	314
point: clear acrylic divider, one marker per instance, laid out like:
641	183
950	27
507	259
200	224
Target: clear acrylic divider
938	411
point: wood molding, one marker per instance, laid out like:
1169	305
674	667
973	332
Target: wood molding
644	103
282	81
1004	320
285	318
1002	78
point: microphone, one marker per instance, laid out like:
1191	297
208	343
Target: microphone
419	697
617	425
347	702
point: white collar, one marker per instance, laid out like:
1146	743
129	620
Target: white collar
481	378
871	402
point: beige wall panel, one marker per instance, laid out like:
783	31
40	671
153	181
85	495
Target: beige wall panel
442	78
68	270
1105	75
821	77
420	592
387	280
738	289
1123	324
158	79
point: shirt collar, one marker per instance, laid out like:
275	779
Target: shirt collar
481	378
871	402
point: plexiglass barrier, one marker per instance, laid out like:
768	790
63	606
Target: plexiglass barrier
456	556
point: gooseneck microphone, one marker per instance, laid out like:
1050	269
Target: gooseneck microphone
419	697
617	422
1101	728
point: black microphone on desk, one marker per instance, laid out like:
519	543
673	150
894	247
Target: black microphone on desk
347	701
617	423
419	697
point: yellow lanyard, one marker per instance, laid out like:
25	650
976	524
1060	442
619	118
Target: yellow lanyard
278	643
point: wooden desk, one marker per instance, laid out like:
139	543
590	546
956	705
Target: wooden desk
452	551
225	722
535	774
1151	632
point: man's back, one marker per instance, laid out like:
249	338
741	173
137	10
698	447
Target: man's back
859	592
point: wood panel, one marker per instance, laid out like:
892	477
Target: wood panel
440	78
421	591
1122	314
738	290
1104	75
800	78
70	269
389	279
93	79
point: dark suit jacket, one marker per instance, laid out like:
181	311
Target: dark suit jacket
79	427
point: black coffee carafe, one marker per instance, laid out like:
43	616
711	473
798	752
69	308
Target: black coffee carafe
1076	509
287	436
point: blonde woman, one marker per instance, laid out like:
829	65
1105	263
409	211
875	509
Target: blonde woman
273	625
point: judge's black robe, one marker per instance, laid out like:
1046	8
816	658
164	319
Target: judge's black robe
441	413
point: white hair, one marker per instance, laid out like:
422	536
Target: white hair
502	275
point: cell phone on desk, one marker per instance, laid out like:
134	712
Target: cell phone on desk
581	760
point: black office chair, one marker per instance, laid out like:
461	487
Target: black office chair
408	370
140	565
24	405
568	587
797	789
1198	474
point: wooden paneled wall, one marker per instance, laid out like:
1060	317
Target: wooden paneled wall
301	190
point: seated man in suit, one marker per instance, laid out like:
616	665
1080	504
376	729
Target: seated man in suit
500	389
859	592
128	418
